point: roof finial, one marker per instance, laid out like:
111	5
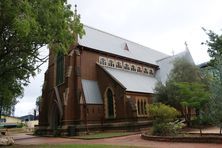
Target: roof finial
75	9
186	45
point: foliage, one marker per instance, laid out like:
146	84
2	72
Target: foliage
25	27
215	69
167	129
162	113
183	71
38	102
185	89
192	95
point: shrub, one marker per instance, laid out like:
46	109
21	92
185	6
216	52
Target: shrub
167	129
162	113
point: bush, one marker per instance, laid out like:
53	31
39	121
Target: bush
162	113
167	129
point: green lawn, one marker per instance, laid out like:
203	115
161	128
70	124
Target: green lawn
102	135
71	146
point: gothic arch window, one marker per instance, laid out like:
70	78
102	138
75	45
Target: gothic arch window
139	69
145	70
102	61
133	67
145	111
59	68
126	66
110	104
141	107
151	72
111	63
138	107
119	64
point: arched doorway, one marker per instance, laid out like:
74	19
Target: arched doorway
110	104
54	117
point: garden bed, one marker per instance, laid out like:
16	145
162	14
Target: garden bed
191	138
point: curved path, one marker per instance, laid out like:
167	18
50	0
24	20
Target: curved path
132	140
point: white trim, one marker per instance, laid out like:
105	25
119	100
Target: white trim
113	63
118	61
106	62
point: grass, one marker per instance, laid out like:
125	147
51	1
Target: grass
71	146
102	135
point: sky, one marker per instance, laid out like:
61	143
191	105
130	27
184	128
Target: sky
163	25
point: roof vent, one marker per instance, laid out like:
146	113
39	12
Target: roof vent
126	47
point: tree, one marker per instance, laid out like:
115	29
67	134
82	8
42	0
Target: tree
183	71
184	89
192	96
25	27
215	69
38	102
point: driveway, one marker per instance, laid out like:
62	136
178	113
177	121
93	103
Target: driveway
132	140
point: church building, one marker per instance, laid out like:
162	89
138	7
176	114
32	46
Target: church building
104	82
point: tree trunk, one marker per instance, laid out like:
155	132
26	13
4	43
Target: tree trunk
200	131
220	130
1	105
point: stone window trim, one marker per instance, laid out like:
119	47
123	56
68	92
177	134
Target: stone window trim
141	104
151	71
139	69
111	63
133	67
119	64
146	70
126	66
103	61
106	104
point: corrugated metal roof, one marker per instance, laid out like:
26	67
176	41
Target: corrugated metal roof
166	65
106	42
91	92
133	81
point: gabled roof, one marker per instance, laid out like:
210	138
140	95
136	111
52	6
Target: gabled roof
91	92
132	81
109	43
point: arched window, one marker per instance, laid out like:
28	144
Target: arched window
119	64
59	68
151	72
139	69
102	61
145	111
110	103
111	63
133	67
138	107
141	107
145	70
126	66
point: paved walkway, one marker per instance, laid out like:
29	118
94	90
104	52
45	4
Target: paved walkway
132	140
